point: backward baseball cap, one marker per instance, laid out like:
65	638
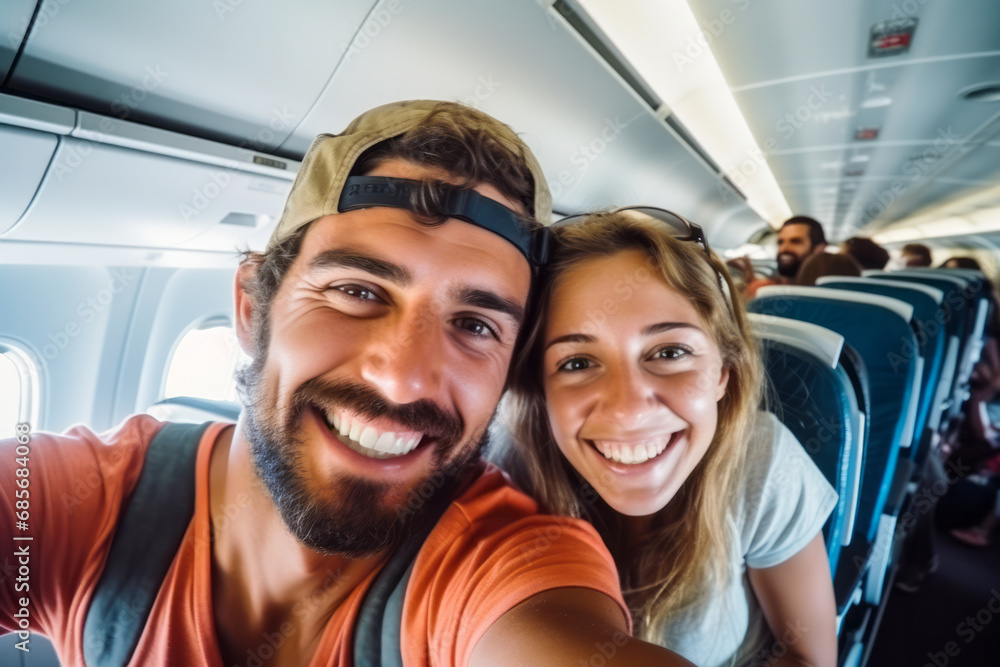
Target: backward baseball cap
329	160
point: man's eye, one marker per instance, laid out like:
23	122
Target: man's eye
575	364
476	327
358	292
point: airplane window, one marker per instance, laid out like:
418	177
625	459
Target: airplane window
204	364
10	396
19	391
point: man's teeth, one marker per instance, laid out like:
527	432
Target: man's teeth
632	454
370	442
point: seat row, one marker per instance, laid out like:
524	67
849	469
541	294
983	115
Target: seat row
870	373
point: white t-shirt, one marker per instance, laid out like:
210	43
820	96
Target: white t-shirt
785	503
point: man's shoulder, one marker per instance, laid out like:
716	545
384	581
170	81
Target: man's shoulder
80	453
492	494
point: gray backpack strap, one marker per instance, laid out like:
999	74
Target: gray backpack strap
149	533
378	629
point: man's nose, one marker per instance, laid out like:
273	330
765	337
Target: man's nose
405	360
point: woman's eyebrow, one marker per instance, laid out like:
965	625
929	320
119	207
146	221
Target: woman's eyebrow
653	329
571	338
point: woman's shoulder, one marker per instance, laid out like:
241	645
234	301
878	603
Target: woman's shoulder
770	444
786	497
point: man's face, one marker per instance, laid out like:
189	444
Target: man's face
389	346
793	247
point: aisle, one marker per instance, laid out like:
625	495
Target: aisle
952	611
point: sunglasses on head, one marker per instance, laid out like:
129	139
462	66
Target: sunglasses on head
680	228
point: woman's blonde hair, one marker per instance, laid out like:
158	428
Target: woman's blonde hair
685	555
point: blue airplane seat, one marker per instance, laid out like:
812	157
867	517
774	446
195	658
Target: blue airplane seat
927	317
962	313
890	381
817	404
194	410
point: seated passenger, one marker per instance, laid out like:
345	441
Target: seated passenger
961	263
915	255
867	253
826	264
636	406
381	327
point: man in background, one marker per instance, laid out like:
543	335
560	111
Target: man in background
799	238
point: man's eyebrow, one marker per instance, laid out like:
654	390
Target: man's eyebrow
571	338
667	326
478	298
352	259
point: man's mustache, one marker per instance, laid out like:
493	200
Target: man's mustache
422	416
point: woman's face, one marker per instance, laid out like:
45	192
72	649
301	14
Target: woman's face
632	380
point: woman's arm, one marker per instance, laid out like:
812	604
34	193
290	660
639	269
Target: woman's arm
797	600
567	626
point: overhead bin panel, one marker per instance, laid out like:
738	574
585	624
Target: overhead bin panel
599	143
19	178
240	72
15	15
98	194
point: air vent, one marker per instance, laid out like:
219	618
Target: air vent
982	92
245	220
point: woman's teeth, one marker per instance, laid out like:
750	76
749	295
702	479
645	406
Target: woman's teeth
368	440
632	453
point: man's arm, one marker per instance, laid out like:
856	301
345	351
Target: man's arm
796	597
567	626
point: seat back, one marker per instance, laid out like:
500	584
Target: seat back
962	313
928	314
890	384
817	404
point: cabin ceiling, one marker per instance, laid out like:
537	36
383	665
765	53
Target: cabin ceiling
803	78
271	76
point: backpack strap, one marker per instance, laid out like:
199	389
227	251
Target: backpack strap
149	533
378	629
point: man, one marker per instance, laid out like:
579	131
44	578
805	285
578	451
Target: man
381	321
915	255
799	237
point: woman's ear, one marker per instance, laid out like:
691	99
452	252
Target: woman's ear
244	306
720	390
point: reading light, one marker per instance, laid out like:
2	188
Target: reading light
665	45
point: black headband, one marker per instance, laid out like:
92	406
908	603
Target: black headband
464	204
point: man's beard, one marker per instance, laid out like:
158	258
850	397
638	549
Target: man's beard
788	264
350	517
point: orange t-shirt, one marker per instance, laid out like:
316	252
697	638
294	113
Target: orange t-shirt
750	291
490	551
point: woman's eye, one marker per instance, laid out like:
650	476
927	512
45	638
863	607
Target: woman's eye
671	353
476	327
575	364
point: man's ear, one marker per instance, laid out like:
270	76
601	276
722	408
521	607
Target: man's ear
820	248
244	306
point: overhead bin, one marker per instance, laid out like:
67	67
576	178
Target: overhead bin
92	180
20	178
15	15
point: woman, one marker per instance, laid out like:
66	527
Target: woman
826	264
636	406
